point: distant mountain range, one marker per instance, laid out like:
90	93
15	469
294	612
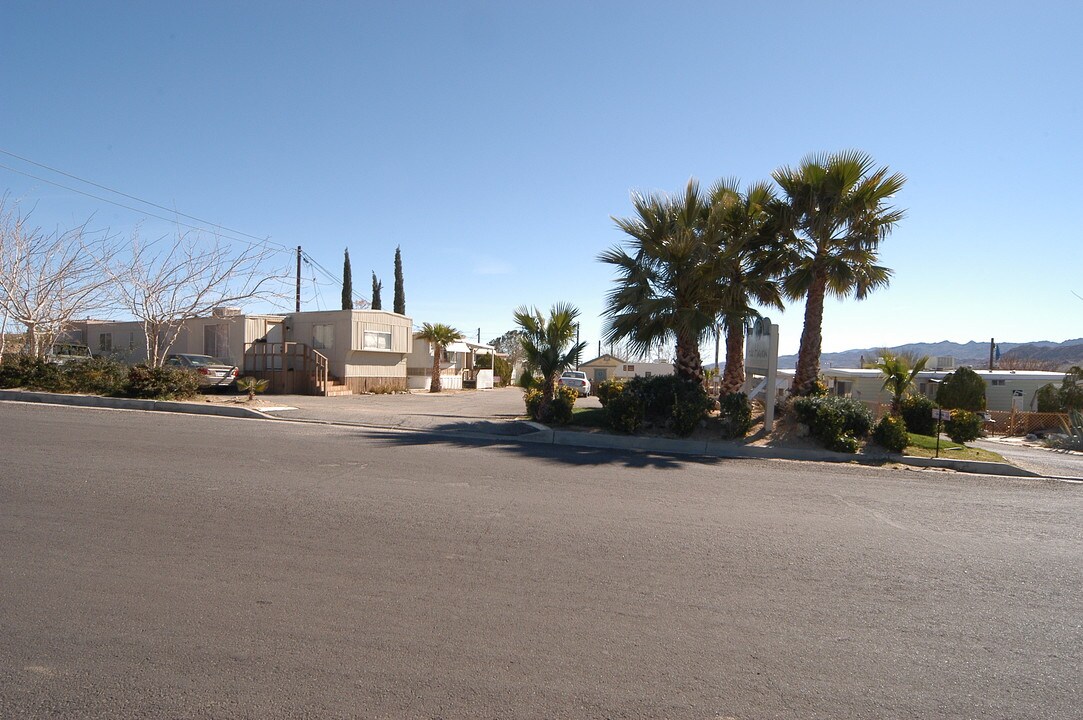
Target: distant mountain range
1063	354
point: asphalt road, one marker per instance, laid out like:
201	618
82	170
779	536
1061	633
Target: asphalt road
155	565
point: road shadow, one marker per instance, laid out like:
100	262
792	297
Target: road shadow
458	435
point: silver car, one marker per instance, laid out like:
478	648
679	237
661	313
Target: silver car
212	371
576	380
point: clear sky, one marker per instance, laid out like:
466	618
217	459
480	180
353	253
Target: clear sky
492	141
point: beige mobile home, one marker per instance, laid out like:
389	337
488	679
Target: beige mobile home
457	366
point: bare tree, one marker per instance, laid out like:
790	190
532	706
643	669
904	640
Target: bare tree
47	279
174	279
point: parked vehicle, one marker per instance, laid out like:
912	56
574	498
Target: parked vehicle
63	353
212	371
576	380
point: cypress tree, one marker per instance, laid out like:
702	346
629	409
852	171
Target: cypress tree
347	283
400	291
377	286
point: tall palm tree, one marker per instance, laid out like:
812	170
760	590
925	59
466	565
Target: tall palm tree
440	336
837	214
899	373
544	342
667	289
746	228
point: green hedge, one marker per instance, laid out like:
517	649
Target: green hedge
735	412
964	426
890	433
917	413
665	401
836	422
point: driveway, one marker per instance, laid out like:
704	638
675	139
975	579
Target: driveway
1042	460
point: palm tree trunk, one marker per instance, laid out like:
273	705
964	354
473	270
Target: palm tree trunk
689	365
808	356
734	377
434	383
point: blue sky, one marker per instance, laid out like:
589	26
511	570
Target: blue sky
493	141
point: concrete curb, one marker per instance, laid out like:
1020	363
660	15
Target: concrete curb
95	401
545	435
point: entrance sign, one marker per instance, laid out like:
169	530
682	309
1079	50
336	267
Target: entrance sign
761	358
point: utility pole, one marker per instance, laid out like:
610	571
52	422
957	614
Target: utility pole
479	336
577	345
992	346
298	278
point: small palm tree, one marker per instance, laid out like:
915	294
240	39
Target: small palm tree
544	342
899	373
251	386
836	215
440	336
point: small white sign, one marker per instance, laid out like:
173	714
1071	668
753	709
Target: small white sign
939	414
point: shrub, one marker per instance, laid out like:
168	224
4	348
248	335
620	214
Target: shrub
688	411
162	383
558	411
735	411
96	376
624	413
890	433
1048	398
963	389
608	389
32	373
917	413
964	426
834	421
527	380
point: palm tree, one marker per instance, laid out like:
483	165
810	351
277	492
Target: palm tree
899	373
544	342
836	216
667	289
745	227
440	336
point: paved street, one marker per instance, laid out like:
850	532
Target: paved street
156	565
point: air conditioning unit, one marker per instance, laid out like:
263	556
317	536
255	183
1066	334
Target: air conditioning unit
221	311
943	363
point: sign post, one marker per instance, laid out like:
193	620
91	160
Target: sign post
761	358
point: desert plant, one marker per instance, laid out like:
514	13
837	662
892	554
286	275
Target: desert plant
440	336
1048	399
251	386
899	373
735	412
963	389
917	413
161	383
1073	430
1071	389
963	426
890	433
544	342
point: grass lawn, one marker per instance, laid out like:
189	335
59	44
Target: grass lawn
588	417
925	446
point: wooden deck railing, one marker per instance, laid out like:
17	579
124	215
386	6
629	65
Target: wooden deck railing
288	367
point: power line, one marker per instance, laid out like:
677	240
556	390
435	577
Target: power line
279	246
130	197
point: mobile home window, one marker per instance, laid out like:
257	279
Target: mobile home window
377	340
629	368
105	342
999	383
323	336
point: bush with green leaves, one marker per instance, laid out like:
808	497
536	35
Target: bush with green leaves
735	412
32	373
1048	399
917	413
669	402
527	380
1073	433
963	389
835	421
96	376
162	383
890	433
1071	389
606	390
624	412
963	426
557	411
